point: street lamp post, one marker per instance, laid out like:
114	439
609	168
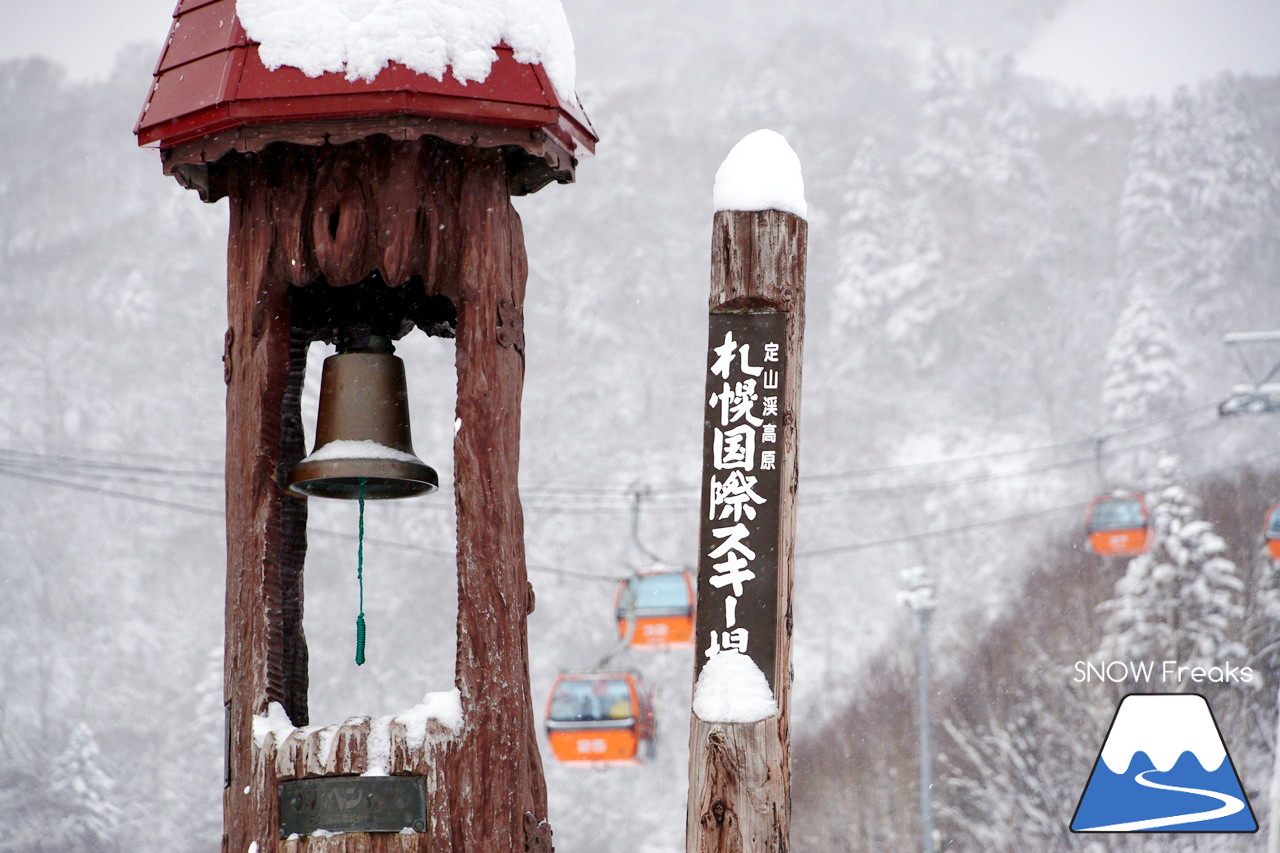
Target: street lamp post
917	593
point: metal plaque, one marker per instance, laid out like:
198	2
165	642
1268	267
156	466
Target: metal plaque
744	414
353	804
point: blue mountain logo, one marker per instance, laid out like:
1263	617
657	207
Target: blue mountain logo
1164	768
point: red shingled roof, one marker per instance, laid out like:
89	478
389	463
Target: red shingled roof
210	79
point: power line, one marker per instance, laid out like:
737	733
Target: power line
929	486
97	464
855	546
98	490
145	479
115	453
585	491
1092	440
583	500
209	511
997	522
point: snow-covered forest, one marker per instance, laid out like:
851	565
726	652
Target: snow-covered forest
1016	299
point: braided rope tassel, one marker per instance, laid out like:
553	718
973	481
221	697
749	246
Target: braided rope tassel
360	581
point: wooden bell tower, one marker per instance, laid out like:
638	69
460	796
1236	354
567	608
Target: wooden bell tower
398	189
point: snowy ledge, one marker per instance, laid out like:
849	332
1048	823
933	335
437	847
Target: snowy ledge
359	37
388	742
761	172
732	689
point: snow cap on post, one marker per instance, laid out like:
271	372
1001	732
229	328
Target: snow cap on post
732	689
761	172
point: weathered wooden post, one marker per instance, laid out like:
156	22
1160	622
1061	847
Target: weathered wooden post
362	208
739	770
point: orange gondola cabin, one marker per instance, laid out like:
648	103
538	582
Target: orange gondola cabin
1272	532
601	717
660	604
1119	525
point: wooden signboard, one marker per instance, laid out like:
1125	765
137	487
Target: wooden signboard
739	772
741	489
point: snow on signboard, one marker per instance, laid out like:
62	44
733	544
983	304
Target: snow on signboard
359	37
732	689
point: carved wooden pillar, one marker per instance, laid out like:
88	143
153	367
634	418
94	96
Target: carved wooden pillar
427	228
265	654
493	592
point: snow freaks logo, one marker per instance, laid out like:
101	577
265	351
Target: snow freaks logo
1165	671
1163	768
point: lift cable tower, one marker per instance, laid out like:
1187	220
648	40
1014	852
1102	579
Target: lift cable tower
1259	354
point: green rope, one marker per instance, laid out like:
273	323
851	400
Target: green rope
360	581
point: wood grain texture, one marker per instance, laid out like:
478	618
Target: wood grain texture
438	215
740	773
497	772
259	363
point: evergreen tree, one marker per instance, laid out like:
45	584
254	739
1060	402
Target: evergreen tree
943	160
1144	379
1014	774
1150	250
88	817
1197	213
866	247
1229	193
1181	600
889	261
1012	199
1144	383
915	298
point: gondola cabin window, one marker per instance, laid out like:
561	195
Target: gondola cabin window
1118	525
661	606
606	699
600	718
1273	532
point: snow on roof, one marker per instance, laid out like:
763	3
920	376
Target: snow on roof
761	172
359	37
732	689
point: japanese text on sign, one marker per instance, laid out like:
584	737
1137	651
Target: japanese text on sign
737	580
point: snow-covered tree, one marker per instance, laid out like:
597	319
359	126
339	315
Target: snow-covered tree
888	261
1197	213
1014	774
943	160
916	295
1181	600
1263	619
1144	380
1144	383
1228	190
1012	198
87	817
866	242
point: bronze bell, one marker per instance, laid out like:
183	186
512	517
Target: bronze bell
362	431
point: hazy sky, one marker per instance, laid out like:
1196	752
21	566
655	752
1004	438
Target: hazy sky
1136	47
1106	47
